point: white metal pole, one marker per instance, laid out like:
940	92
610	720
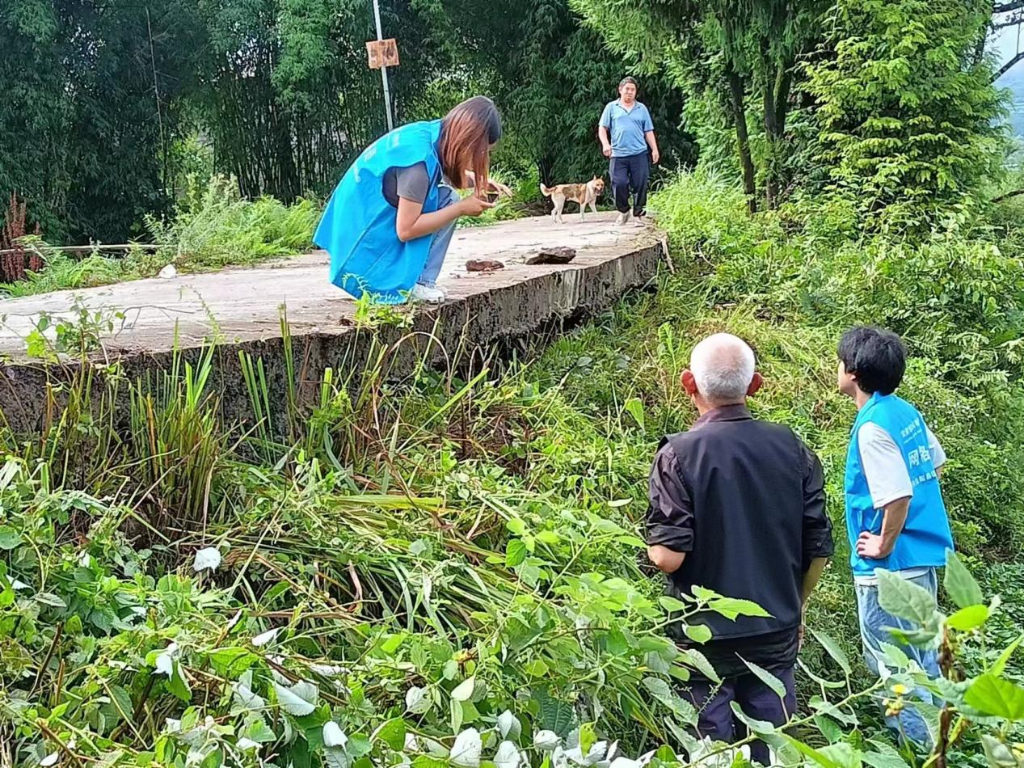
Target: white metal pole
383	70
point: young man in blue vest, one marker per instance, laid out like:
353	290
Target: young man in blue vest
895	516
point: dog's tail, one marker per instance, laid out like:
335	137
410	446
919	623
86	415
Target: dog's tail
546	191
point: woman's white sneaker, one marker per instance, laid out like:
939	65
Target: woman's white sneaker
428	294
623	218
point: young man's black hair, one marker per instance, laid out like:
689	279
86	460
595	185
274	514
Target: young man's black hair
877	357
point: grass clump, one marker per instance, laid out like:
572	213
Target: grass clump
213	227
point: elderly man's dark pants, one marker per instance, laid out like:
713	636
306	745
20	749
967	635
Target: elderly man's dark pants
630	174
756	700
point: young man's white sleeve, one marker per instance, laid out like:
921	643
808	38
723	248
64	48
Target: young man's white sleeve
884	467
935	448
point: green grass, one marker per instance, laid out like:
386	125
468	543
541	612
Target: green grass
214	227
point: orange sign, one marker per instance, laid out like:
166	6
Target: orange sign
382	53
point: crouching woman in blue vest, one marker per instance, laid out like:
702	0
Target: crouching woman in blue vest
389	223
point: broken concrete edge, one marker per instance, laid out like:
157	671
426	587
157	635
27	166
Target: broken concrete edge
32	393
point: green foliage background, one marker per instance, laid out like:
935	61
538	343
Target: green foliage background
110	107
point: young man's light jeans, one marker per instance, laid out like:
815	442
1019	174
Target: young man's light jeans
440	240
874	626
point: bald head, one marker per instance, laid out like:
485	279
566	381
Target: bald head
723	369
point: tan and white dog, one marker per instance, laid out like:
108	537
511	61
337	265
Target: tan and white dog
584	194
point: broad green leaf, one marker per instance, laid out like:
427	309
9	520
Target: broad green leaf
393	733
658	688
829	728
833	649
730	608
48	598
333	736
9	537
777	686
663	692
467	749
671	603
464	690
966	619
298	700
844	755
998	754
556	716
244	699
903	598
259	731
507	755
358	745
548	537
231	662
895	656
588	737
178	685
761	727
960	584
536	668
694	658
884	760
509	726
994	696
417	701
824	707
699	633
122	702
515	553
455	715
392	644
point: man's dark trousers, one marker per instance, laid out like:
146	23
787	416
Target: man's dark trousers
757	700
630	174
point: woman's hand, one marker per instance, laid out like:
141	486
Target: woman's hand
500	188
473	206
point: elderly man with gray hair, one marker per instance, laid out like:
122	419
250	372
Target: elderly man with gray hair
737	505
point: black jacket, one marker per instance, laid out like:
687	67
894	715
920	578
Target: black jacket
745	500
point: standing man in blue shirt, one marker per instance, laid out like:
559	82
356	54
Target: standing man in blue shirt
895	517
627	134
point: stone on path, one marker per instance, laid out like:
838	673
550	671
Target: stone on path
483	265
556	255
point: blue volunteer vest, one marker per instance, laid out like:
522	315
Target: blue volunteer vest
927	535
358	225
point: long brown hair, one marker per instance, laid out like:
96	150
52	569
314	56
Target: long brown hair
467	133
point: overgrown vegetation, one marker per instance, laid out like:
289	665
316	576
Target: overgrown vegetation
444	568
428	568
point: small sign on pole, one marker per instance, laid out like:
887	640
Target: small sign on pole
382	53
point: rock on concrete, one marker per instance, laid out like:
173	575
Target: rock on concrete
240	310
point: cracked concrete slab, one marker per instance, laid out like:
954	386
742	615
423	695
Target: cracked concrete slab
240	310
